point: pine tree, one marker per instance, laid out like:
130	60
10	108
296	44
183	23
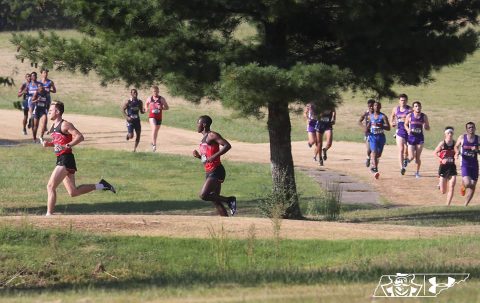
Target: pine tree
301	51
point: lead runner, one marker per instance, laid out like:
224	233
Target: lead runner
65	136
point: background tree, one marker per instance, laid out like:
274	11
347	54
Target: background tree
302	50
32	14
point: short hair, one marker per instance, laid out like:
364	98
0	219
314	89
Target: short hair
133	90
403	96
370	101
44	70
417	102
469	123
449	127
59	106
206	119
33	73
155	87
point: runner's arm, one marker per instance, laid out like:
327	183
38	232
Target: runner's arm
164	104
22	90
77	136
457	146
407	123
53	88
426	124
142	109
124	110
213	136
437	150
393	117
386	123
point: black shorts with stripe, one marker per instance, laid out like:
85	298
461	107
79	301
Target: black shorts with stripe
218	173
67	160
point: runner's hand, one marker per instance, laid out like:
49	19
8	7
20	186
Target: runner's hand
196	154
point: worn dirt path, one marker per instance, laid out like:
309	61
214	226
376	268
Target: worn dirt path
345	159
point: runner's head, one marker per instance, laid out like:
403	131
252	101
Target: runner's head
155	90
44	73
402	99
28	77
417	106
56	108
448	131
470	127
203	123
33	75
370	103
377	106
133	93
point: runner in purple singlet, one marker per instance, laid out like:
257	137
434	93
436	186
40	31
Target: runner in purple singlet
399	113
415	123
467	146
363	122
310	114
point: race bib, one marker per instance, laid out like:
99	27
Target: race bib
416	130
325	119
469	153
155	111
134	116
41	104
377	131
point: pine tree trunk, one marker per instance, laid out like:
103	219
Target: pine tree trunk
283	174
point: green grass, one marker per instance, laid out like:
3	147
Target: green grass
45	260
418	216
145	182
451	100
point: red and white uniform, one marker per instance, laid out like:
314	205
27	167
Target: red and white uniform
206	151
60	140
155	107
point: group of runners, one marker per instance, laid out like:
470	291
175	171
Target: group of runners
410	123
36	101
37	105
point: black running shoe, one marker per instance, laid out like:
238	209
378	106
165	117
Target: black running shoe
232	204
324	154
29	123
320	162
367	162
107	186
402	171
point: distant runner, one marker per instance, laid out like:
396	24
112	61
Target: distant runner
65	136
209	154
310	114
154	106
131	110
364	123
467	146
447	170
415	124
326	120
398	116
23	92
378	124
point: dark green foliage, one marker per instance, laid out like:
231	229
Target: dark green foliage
32	14
301	51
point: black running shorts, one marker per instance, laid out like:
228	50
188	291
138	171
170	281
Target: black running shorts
67	160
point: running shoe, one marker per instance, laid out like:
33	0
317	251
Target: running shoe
462	191
127	137
320	162
310	144
405	163
402	171
24	132
107	186
367	162
154	148
232	204
315	158
29	123
417	175
375	172
324	154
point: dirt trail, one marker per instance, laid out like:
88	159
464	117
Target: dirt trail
344	158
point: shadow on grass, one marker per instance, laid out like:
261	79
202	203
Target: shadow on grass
428	217
193	207
245	278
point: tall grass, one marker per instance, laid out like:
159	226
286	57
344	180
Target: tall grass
46	261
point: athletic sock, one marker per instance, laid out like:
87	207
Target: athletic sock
99	186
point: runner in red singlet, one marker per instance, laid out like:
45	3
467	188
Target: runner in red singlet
65	136
154	106
209	154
